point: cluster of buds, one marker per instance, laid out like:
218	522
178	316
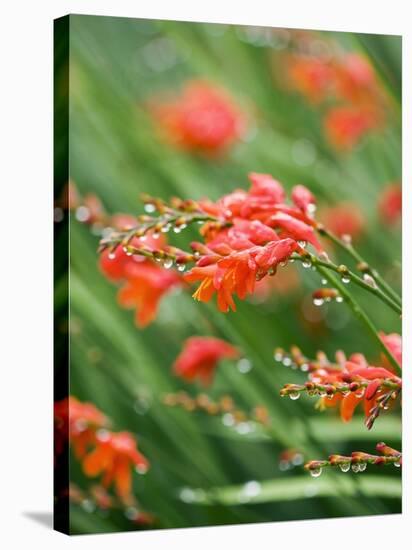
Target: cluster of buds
358	461
97	498
225	407
329	390
175	217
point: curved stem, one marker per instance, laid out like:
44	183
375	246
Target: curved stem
356	279
360	314
360	260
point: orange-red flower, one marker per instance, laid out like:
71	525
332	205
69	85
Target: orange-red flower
393	342
113	457
367	378
203	118
237	272
144	282
390	204
346	125
355	80
200	357
345	218
310	76
77	422
144	288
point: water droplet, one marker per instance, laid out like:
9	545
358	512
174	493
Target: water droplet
251	489
306	264
149	207
284	465
187	495
345	467
304	367
397	464
167	264
182	226
166	228
58	214
297	459
103	435
88	505
311	208
345	279
294	395
155	235
141	469
318	301
111	255
339	299
131	513
228	420
82	214
176	229
287	361
278	356
181	267
356	467
315	472
244	365
243	428
302	244
362	467
324	281
143	237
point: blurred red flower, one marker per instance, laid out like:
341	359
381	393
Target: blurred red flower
78	422
203	118
310	76
144	282
390	203
355	80
145	286
200	357
345	125
114	455
346	218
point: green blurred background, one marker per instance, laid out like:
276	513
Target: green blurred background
116	65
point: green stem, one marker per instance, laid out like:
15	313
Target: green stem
355	278
360	314
360	260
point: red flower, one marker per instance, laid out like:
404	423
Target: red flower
113	457
346	125
394	343
145	286
203	118
303	199
200	357
145	283
78	422
266	187
237	272
345	218
310	76
294	228
390	204
355	80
